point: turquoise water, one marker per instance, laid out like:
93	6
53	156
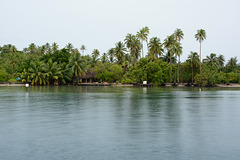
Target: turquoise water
110	123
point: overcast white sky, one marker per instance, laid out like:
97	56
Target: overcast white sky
101	23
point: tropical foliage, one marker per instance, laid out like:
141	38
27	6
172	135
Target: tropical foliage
125	62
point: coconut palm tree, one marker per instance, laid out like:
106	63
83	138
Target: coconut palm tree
32	48
212	61
95	53
42	49
76	65
104	58
120	52
111	53
142	34
177	49
168	44
193	59
55	46
70	47
232	63
221	60
37	74
200	36
179	36
13	48
25	50
65	73
83	48
136	49
52	72
155	47
129	43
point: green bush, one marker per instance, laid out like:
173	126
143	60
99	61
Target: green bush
3	76
12	81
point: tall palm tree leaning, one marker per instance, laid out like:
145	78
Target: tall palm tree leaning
142	35
200	36
83	48
179	36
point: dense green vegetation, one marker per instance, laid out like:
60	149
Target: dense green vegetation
124	63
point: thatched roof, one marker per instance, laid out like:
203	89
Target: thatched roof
89	74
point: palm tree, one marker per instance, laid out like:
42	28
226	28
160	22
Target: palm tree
42	49
13	48
168	44
104	58
36	71
25	50
32	48
200	36
136	49
48	48
111	53
77	65
177	49
129	43
232	63
221	60
54	46
65	71
120	52
69	46
193	58
212	61
83	48
52	72
75	50
142	34
95	53
155	47
179	36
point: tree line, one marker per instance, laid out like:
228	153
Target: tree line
126	62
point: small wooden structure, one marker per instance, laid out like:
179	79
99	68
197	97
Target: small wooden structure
89	77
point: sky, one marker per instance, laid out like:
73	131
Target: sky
100	24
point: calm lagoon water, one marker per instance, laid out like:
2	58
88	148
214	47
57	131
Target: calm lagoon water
110	123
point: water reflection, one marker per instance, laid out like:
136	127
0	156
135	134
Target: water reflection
119	123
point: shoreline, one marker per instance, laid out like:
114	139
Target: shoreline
229	85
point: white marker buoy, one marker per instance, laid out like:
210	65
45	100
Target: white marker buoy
26	85
200	89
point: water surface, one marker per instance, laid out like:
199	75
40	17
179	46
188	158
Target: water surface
109	123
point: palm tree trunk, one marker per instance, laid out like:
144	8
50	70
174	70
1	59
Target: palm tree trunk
170	68
142	48
192	73
175	69
200	59
178	68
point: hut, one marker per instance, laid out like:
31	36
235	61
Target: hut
89	77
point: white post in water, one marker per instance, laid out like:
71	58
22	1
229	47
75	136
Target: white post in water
26	85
